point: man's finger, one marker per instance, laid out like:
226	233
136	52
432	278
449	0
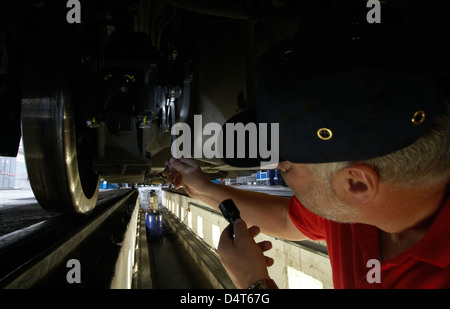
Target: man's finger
226	238
166	172
254	231
168	169
269	261
177	182
240	228
172	177
188	162
182	164
265	245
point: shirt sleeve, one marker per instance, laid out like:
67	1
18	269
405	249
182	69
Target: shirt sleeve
310	224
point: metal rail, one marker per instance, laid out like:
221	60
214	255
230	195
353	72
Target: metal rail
318	247
28	255
278	190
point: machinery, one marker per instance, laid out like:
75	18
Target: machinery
97	99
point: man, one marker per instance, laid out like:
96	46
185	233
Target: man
364	145
395	215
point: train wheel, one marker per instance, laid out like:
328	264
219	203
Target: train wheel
57	145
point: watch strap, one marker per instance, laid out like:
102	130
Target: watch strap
263	284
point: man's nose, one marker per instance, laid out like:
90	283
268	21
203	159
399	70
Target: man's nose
283	166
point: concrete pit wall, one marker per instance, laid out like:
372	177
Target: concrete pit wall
296	265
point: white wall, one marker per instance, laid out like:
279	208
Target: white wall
295	266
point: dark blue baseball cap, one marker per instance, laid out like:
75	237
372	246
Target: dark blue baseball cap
340	98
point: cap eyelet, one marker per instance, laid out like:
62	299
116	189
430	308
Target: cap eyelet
418	117
324	134
287	54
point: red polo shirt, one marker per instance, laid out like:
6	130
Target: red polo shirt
352	246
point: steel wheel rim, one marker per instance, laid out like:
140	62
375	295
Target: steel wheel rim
51	155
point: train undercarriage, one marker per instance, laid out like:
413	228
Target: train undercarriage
98	99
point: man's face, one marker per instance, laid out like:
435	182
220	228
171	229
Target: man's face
315	194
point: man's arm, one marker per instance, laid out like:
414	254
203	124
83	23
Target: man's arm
268	212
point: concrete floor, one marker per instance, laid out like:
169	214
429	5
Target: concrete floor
171	265
19	209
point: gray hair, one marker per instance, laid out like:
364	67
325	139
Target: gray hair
424	163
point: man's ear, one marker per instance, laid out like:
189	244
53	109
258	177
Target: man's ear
356	184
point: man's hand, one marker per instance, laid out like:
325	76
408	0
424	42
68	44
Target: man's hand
242	257
186	173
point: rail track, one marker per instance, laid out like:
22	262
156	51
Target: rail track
36	256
